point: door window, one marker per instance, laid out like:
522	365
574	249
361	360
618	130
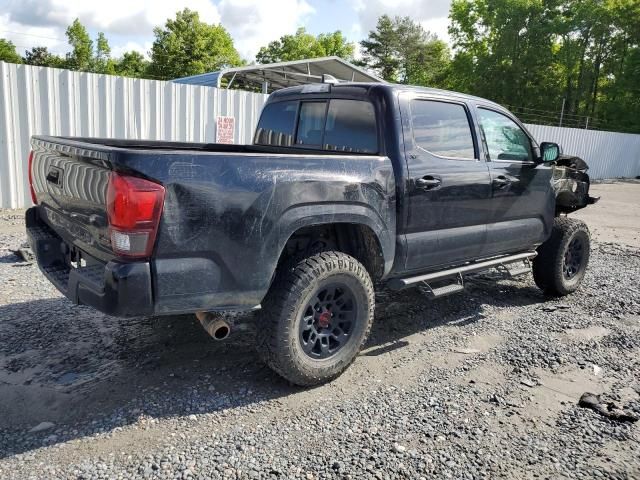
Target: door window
442	129
504	138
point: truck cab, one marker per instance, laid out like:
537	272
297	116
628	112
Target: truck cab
469	180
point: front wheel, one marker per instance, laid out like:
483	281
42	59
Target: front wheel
562	260
316	318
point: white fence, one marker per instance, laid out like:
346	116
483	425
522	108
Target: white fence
48	101
608	154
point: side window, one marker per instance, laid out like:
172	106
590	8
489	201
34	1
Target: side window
504	138
277	124
351	127
442	129
311	123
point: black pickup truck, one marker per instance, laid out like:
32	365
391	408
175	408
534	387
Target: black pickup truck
345	186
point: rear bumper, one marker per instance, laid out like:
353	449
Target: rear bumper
119	289
164	286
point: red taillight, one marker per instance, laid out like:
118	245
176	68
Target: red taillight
34	199
134	206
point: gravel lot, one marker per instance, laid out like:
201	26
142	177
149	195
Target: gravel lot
479	385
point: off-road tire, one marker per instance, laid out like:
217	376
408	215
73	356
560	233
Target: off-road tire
278	341
549	265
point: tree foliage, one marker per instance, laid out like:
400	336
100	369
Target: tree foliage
8	52
41	57
132	64
81	55
188	46
534	55
102	62
400	50
305	45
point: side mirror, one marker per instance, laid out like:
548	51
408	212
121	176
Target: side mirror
549	152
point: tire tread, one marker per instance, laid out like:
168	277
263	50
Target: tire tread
547	266
281	304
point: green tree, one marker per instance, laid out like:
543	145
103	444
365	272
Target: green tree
8	52
102	62
504	50
617	99
303	45
132	64
428	64
188	46
400	50
81	56
41	57
335	44
380	49
536	55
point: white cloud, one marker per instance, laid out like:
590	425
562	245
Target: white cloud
144	49
30	23
431	14
124	17
252	23
439	26
27	37
356	32
255	23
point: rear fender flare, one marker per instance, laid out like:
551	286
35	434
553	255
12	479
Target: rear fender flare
325	214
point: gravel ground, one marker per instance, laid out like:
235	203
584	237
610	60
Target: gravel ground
483	384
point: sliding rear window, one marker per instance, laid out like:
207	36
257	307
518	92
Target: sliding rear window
336	125
311	124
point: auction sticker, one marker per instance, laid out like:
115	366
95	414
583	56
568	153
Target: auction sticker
225	126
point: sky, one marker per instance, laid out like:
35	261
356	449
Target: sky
128	24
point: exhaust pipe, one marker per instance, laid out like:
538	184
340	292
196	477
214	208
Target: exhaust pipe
214	325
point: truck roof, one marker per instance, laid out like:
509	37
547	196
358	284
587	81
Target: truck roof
351	88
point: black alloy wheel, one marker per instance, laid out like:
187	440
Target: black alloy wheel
573	258
328	320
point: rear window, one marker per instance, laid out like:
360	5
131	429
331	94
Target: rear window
345	126
442	129
351	127
311	124
277	124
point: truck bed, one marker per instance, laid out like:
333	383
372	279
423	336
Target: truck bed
114	145
228	209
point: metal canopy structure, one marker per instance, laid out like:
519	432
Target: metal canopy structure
273	76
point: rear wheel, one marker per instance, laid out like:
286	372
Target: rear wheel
562	260
316	318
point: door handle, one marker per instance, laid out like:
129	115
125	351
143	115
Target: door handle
501	182
428	182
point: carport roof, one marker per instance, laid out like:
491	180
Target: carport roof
273	76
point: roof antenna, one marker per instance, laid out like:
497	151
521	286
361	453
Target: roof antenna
326	78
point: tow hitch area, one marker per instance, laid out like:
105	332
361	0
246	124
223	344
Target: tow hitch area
571	184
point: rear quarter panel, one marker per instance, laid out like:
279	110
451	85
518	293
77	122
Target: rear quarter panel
231	214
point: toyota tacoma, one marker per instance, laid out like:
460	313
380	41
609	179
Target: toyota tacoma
345	186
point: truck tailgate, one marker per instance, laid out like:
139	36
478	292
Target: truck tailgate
70	185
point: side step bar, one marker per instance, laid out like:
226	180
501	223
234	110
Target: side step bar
401	283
